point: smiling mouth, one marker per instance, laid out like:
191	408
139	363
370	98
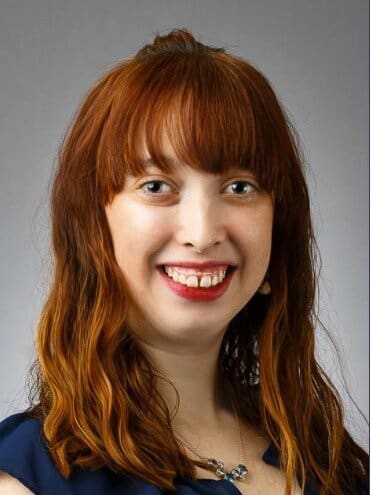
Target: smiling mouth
204	280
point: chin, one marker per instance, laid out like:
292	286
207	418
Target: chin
194	329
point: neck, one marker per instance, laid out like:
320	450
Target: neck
194	373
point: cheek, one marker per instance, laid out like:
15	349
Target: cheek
122	227
258	249
136	233
257	239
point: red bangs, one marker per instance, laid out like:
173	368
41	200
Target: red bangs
216	113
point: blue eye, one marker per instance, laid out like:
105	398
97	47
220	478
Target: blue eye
242	190
154	187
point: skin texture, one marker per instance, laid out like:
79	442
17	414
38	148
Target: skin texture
189	211
11	486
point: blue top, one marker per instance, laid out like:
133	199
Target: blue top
24	455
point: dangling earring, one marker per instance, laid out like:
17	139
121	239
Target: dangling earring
265	288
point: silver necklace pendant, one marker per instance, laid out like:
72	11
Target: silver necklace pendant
237	473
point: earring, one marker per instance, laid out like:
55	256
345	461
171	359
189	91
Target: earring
265	288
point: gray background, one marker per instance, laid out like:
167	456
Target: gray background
315	53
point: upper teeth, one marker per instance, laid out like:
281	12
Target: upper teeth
193	278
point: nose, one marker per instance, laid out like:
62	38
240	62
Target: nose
200	224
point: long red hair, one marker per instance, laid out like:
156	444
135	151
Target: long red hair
94	388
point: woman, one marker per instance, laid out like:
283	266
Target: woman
175	352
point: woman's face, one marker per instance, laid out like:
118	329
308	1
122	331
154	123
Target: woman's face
166	219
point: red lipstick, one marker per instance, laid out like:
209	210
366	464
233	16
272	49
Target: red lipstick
198	293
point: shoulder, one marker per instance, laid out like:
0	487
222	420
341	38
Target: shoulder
11	486
24	455
20	437
21	451
19	430
26	465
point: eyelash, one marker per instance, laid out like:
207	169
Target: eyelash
255	189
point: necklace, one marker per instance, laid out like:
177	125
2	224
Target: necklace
238	472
